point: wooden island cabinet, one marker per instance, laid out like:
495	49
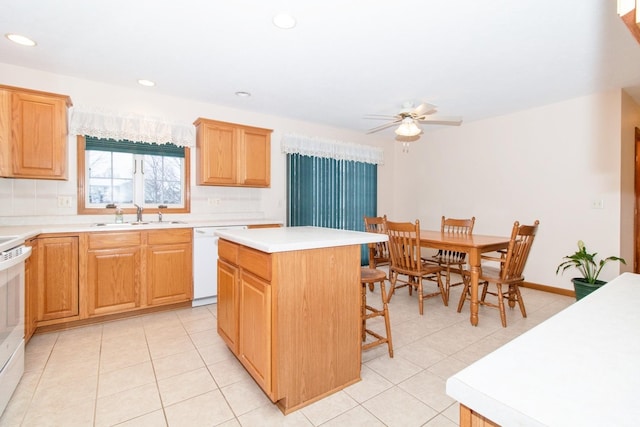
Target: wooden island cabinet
289	308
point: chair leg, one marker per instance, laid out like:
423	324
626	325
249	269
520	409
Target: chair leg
387	323
444	293
448	284
369	312
363	312
503	315
465	292
519	299
393	277
484	291
420	297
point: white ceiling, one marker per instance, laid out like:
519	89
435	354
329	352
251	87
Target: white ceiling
344	59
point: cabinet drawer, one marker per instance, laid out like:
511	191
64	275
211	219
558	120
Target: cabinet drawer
228	251
174	235
259	263
114	240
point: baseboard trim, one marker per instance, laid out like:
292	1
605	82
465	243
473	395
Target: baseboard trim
550	289
109	317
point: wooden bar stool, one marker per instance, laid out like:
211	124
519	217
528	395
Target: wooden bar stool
371	276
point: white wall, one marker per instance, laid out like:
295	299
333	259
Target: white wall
548	163
35	201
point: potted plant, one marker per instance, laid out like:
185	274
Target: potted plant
588	267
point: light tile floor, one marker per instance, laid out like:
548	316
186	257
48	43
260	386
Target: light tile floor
172	369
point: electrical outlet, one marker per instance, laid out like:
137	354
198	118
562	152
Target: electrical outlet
213	201
597	204
65	201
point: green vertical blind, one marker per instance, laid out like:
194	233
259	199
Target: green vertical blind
331	193
124	146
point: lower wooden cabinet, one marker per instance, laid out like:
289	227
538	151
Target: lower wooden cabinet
76	277
57	278
169	266
113	272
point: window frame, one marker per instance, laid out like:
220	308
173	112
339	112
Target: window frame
82	187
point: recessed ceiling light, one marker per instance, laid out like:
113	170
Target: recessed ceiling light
243	94
284	21
22	40
145	82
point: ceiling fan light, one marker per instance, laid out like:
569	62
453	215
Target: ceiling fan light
408	128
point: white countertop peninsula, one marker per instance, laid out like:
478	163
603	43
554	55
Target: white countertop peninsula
271	240
581	367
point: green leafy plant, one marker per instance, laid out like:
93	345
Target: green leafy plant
586	263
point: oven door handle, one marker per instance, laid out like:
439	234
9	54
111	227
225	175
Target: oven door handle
26	253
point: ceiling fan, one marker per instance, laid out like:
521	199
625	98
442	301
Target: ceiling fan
409	117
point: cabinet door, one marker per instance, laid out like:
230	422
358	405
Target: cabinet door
57	278
217	145
39	136
254	346
228	293
256	158
169	274
113	280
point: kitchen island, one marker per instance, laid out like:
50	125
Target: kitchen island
578	368
289	308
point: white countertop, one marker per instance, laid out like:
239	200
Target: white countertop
581	367
28	231
298	238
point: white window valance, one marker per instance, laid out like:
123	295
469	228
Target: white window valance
328	148
129	126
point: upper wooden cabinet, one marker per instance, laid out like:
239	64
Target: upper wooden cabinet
230	154
33	134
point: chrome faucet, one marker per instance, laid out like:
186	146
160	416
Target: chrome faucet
138	213
160	212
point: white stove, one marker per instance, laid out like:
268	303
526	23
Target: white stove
13	253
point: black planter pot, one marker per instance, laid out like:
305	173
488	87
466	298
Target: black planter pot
584	288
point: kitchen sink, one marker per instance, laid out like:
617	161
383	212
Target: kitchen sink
129	224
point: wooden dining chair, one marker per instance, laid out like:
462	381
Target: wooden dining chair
452	260
378	252
509	274
404	248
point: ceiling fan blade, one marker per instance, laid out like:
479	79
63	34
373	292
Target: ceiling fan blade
384	126
441	120
423	109
381	116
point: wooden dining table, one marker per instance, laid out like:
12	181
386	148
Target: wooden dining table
474	245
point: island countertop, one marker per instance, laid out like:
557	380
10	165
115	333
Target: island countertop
578	368
285	239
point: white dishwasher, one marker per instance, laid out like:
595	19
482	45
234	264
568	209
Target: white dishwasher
205	264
